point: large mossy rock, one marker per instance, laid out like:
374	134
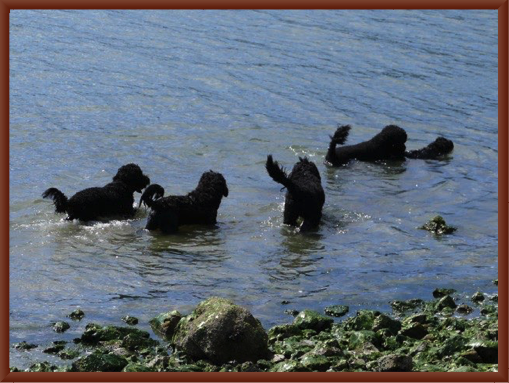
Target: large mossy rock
220	331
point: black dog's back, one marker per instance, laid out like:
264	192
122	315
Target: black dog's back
197	207
305	196
389	144
115	200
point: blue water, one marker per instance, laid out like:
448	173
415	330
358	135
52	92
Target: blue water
182	92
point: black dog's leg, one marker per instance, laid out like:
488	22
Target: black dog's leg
169	222
166	221
290	215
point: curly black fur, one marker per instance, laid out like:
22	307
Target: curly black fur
437	148
389	144
113	200
304	197
197	207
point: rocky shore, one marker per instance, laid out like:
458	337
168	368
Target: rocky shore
435	335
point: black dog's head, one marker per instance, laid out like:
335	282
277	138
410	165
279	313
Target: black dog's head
306	166
132	176
215	181
392	140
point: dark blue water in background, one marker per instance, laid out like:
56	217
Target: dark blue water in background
182	92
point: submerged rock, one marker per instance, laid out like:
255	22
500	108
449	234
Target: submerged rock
220	331
77	314
61	326
55	349
166	323
438	226
24	346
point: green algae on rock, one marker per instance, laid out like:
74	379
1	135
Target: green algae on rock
438	226
165	324
427	340
99	362
24	346
337	310
312	320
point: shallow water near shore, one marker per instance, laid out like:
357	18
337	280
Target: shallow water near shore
182	92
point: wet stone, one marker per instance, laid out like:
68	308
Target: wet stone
337	310
42	367
130	320
415	331
385	322
438	226
69	354
166	323
464	309
24	346
314	362
77	314
446	302
489	310
477	297
312	320
439	293
395	363
55	349
61	326
409	305
99	362
291	312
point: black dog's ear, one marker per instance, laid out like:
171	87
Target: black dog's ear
225	191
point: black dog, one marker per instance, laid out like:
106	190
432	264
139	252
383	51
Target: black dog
113	200
304	197
197	207
389	144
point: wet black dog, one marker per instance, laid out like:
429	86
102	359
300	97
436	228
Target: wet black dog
304	197
197	207
115	200
389	144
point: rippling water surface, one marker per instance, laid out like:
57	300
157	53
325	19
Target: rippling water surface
182	92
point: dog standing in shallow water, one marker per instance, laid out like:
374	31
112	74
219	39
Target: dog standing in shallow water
197	207
304	197
113	200
389	144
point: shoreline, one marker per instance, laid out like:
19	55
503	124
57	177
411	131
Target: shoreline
434	335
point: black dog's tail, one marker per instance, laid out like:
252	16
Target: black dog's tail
277	173
151	194
59	199
437	148
339	138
